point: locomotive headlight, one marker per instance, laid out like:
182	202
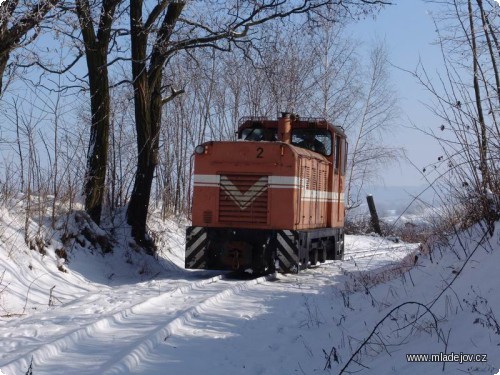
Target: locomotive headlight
200	149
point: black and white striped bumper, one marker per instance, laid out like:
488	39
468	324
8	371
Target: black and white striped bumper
281	247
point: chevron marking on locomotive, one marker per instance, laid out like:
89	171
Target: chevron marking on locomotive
243	200
196	242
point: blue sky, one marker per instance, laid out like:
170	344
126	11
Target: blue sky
409	33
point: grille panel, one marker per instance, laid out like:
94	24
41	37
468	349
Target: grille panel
243	199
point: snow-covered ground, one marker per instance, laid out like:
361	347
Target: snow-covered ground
127	313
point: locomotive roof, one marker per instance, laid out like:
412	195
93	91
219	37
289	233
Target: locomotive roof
297	122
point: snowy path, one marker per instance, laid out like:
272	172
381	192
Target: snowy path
126	334
133	328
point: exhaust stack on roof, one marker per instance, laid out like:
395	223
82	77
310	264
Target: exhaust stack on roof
285	128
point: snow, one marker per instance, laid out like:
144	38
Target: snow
128	313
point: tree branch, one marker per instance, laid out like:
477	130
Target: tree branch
173	95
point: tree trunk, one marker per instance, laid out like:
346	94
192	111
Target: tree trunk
148	103
137	211
97	158
483	144
4	58
148	119
96	50
494	64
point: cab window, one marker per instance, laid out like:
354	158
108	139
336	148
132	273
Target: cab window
344	158
317	140
259	134
337	153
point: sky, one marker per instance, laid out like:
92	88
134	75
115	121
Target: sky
408	31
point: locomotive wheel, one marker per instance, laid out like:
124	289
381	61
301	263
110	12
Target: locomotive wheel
313	257
322	253
340	254
339	250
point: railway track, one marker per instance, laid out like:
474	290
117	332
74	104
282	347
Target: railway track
162	315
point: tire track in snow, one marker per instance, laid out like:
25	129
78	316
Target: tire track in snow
132	357
61	345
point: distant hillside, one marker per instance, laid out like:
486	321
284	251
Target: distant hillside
392	201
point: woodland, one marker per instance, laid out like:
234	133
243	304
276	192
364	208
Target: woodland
102	102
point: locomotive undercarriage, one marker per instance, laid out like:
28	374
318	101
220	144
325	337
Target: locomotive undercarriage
260	251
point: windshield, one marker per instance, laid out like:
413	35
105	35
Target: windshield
317	140
259	134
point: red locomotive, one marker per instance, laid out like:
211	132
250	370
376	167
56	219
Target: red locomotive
273	200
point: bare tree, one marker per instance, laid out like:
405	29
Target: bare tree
337	76
122	154
213	26
375	116
17	21
467	101
96	50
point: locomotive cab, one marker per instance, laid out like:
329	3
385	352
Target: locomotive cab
311	134
273	200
